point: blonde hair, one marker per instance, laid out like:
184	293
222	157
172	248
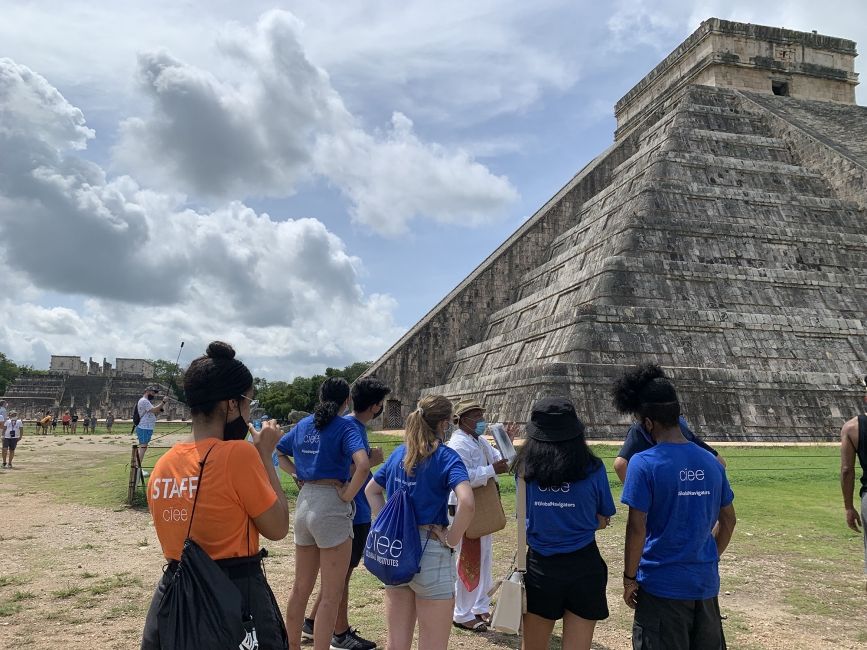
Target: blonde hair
421	429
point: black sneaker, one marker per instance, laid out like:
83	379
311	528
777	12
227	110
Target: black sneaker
350	640
307	629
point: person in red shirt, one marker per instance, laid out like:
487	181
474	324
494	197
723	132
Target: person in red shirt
239	494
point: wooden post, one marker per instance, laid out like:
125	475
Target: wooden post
133	475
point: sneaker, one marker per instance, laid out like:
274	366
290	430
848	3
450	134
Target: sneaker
350	640
307	629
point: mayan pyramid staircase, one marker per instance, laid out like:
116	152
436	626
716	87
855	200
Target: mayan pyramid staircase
713	250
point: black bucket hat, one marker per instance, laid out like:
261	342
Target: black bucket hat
553	419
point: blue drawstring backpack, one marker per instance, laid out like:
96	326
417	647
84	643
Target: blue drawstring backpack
393	549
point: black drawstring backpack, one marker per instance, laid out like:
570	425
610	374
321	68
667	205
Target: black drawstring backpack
202	607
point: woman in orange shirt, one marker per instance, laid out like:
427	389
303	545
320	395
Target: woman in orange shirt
239	494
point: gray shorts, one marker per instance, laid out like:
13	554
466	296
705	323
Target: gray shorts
436	578
322	518
863	529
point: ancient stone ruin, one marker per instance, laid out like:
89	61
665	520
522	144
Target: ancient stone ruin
723	235
88	388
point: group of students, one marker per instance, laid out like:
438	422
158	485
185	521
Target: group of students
223	492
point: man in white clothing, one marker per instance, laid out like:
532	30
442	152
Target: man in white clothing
472	603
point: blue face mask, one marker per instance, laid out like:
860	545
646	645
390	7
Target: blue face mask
481	425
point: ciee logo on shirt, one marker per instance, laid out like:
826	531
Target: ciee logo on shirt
557	488
692	475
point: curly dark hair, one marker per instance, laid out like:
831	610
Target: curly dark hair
332	393
551	464
368	391
215	376
645	391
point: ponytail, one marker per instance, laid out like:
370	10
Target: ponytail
421	435
332	394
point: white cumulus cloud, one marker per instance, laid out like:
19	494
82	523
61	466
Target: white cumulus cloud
150	270
281	123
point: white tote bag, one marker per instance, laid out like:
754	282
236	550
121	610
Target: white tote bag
512	602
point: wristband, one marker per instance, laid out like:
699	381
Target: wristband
630	578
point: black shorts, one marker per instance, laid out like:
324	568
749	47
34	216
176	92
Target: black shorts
10	443
567	581
677	624
359	539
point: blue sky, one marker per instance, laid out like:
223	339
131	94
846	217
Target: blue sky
303	180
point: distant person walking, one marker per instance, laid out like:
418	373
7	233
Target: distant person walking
45	422
429	470
568	500
13	432
675	491
53	423
147	413
109	421
238	497
66	421
853	443
74	422
86	422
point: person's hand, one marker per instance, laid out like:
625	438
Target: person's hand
512	430
266	439
376	456
604	521
853	519
630	593
343	493
501	466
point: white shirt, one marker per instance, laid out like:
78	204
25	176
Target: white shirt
13	429
2	417
148	420
478	455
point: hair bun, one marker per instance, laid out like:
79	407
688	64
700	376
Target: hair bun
220	350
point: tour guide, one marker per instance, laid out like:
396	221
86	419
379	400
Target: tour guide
675	491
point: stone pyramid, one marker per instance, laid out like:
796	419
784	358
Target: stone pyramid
723	236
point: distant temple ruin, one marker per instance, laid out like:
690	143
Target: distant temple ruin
89	387
722	235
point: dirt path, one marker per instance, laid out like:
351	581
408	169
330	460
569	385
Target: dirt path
76	576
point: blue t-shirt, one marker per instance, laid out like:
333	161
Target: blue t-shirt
637	439
321	454
563	519
681	487
430	484
362	507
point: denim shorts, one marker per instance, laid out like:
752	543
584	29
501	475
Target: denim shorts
436	579
322	518
144	435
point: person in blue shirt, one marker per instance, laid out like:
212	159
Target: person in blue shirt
637	440
568	500
675	491
368	394
319	452
429	470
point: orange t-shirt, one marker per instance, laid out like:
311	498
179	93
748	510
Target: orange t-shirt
235	489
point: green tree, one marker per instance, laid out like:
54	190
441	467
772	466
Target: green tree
8	372
170	374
